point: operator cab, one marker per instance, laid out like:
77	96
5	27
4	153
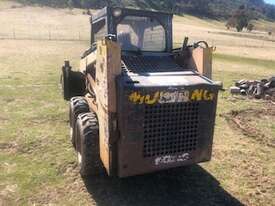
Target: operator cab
136	31
145	38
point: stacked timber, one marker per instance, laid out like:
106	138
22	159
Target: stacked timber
259	89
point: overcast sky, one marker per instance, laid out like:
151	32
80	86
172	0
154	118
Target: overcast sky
270	1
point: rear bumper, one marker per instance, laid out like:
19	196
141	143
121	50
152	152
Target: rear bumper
150	165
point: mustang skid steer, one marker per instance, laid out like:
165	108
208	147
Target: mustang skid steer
136	104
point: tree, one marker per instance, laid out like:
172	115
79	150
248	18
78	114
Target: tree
87	4
70	4
242	7
242	22
256	2
270	12
231	23
84	4
201	6
241	18
250	27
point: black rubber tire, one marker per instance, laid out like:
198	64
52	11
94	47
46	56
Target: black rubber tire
78	105
65	82
73	83
77	84
87	144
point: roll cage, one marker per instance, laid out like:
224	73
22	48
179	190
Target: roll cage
105	22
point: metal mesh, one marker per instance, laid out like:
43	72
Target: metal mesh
170	129
136	33
145	64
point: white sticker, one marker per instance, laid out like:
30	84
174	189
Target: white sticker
174	97
168	159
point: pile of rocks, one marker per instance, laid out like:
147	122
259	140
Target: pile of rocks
263	89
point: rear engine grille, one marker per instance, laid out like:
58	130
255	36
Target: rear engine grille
145	64
170	129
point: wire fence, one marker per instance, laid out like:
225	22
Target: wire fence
83	34
46	34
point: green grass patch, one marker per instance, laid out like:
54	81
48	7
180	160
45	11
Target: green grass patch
269	64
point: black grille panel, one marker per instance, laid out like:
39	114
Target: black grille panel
170	129
145	64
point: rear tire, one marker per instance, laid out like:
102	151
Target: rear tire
78	105
65	81
87	144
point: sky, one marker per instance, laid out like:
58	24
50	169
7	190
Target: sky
270	1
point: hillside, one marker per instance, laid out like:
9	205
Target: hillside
208	8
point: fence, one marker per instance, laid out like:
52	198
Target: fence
46	34
83	34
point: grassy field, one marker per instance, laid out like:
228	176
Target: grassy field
37	162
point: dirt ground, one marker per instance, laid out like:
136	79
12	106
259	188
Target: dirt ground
247	121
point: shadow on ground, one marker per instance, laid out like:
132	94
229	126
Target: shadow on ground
185	186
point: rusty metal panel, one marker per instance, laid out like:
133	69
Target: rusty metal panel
201	60
108	66
87	61
164	126
184	78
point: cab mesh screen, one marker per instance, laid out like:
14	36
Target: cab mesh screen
170	129
150	64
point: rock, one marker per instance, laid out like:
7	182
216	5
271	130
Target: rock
243	92
239	83
259	91
244	86
264	81
270	92
267	97
251	90
234	90
272	82
264	88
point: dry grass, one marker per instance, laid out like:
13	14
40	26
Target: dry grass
37	163
43	23
247	44
264	25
